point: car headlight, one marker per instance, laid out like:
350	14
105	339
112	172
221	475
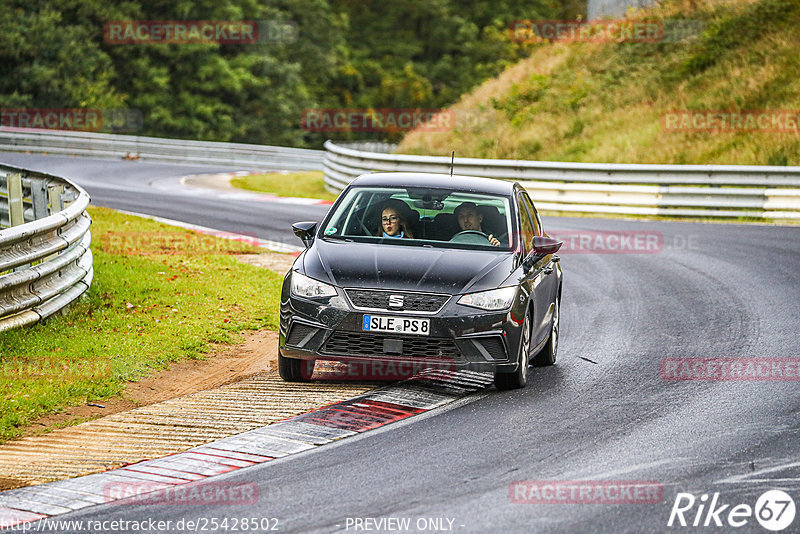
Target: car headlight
496	299
303	286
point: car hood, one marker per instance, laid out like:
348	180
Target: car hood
436	270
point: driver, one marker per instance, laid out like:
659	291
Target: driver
470	219
394	220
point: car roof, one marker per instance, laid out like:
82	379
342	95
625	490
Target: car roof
443	181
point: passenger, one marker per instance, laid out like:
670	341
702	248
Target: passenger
469	218
394	220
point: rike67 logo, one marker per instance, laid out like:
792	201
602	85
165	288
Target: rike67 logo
774	510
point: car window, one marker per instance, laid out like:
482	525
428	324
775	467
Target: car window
537	223
430	215
527	226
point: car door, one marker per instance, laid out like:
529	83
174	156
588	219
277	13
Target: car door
531	278
544	276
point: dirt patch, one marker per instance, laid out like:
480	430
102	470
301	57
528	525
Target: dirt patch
211	181
10	483
280	263
256	354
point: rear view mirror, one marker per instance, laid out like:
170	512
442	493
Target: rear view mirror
305	231
542	246
437	205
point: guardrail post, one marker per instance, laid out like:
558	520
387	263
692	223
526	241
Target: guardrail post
54	194
16	215
67	199
39	198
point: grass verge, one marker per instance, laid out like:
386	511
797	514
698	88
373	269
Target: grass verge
307	184
160	294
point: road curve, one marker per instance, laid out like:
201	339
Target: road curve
603	412
126	185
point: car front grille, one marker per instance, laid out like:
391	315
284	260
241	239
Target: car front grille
358	344
373	299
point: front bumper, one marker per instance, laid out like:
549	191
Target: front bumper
460	337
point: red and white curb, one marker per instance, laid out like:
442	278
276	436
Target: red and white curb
429	390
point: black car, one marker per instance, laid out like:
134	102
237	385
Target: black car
412	268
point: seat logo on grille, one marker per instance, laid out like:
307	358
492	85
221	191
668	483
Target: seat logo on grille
396	301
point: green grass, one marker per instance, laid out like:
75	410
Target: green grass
296	184
160	294
604	102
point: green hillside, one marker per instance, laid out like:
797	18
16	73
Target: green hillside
629	102
308	54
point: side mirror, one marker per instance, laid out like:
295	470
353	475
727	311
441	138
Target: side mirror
305	231
542	246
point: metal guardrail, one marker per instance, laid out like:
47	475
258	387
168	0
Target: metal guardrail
613	8
161	150
630	189
45	260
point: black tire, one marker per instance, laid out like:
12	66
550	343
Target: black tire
294	370
547	356
517	379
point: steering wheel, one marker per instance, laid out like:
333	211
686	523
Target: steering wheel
470	236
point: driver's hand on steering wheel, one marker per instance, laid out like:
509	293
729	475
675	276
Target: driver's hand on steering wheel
493	241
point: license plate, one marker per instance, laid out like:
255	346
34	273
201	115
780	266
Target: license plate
397	325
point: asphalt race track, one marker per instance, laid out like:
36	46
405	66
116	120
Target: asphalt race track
603	412
124	185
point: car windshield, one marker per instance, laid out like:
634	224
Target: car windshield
422	217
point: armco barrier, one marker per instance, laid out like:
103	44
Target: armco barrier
89	144
630	189
613	8
45	260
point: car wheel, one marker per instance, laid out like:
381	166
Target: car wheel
294	370
517	379
547	356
